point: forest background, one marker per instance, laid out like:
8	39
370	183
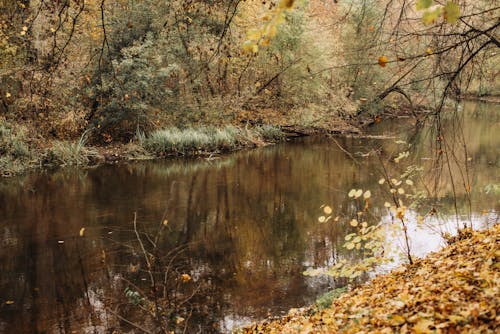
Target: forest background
84	80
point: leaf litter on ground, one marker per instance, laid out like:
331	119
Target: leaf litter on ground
454	290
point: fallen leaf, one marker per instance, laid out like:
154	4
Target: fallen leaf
422	326
382	61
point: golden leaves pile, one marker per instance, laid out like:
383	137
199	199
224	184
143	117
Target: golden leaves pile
455	290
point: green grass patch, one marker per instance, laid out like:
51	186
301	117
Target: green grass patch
325	300
65	153
193	141
15	153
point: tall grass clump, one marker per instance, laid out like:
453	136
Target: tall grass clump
66	153
15	153
270	132
204	139
190	140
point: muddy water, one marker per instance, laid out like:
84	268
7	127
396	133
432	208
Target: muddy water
246	226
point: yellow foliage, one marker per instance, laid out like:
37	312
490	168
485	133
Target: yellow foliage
451	291
382	61
271	20
286	4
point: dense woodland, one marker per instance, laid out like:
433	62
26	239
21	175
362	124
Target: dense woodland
107	71
158	248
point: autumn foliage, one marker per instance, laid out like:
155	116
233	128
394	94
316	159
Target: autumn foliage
452	291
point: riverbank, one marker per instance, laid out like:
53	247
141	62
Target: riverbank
454	290
21	153
22	148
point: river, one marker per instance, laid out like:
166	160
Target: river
244	227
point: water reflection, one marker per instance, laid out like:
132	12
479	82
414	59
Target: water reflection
248	222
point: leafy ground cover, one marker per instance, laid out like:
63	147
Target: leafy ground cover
454	290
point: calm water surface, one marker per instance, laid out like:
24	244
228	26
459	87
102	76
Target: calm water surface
247	225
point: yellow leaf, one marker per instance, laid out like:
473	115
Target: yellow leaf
250	47
352	192
382	61
7	95
185	278
165	222
451	12
286	4
271	31
358	193
327	210
322	219
82	231
254	34
9	302
367	194
265	42
431	16
381	181
422	326
429	51
397	320
423	4
354	222
400	212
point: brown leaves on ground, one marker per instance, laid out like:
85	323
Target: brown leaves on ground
451	291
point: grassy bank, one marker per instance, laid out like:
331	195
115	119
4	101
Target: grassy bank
454	290
15	151
20	152
202	140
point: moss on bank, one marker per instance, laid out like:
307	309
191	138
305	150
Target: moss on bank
455	290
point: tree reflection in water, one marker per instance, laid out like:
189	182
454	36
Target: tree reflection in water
244	227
